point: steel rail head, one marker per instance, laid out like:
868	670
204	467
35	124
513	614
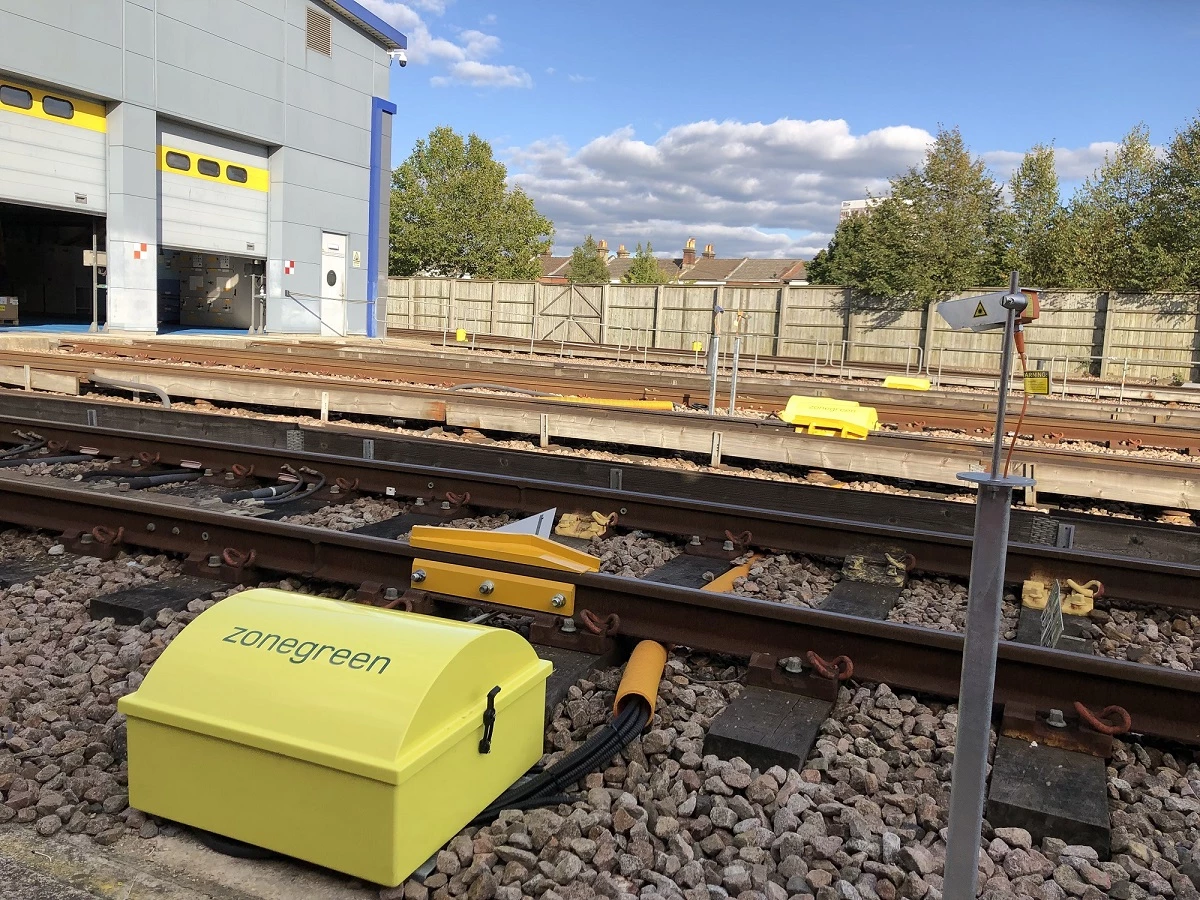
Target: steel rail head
1160	701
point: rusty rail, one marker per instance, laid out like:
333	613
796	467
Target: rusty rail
1132	579
1160	700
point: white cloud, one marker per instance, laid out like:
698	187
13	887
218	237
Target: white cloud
479	74
580	79
461	56
749	188
1071	165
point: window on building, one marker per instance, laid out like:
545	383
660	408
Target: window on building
55	106
237	173
179	161
15	97
320	32
209	168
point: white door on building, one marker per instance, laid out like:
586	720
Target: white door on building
333	284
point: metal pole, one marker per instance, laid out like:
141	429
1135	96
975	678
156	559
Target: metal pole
969	779
737	349
977	682
1005	369
714	351
95	326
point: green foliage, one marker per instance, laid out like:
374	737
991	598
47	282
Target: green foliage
1111	228
644	268
586	265
454	215
1035	226
1133	226
953	204
1175	208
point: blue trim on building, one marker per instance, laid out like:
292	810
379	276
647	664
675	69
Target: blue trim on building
372	24
379	109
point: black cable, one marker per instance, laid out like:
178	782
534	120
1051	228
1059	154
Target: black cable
598	750
24	448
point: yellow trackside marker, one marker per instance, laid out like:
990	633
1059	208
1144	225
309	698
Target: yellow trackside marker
697	346
461	335
653	405
907	383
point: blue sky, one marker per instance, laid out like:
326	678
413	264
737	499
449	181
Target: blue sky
745	125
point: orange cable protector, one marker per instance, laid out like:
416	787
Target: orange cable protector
643	672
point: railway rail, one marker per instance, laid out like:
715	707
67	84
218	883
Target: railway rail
1051	420
921	458
829	366
1160	700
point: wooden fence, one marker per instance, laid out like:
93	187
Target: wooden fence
1141	337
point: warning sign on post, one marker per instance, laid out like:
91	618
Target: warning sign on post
1037	381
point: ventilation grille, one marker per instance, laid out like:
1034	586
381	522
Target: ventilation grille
319	32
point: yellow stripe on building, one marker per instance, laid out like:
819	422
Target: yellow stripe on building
256	179
84	113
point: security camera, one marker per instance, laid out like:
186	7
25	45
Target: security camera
399	56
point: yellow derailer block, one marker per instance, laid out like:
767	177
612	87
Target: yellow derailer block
907	383
519	591
831	418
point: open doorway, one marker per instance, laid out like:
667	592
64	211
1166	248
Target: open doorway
43	266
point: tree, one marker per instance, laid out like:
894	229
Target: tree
955	206
1110	230
941	231
836	263
644	268
1175	208
1035	222
454	215
587	266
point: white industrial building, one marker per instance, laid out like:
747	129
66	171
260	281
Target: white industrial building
229	160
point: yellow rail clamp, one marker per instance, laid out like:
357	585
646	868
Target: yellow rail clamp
831	418
520	591
576	525
1034	595
723	583
1080	599
907	383
653	405
277	718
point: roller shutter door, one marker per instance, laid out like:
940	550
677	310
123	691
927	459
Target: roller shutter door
52	148
213	193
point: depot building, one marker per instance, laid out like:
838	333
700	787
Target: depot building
228	161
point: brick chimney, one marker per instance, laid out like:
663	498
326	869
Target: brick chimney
622	253
689	252
709	252
602	249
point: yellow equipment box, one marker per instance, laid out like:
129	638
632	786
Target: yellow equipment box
825	416
345	735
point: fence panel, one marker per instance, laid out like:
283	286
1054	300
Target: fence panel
813	323
1159	336
1151	337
